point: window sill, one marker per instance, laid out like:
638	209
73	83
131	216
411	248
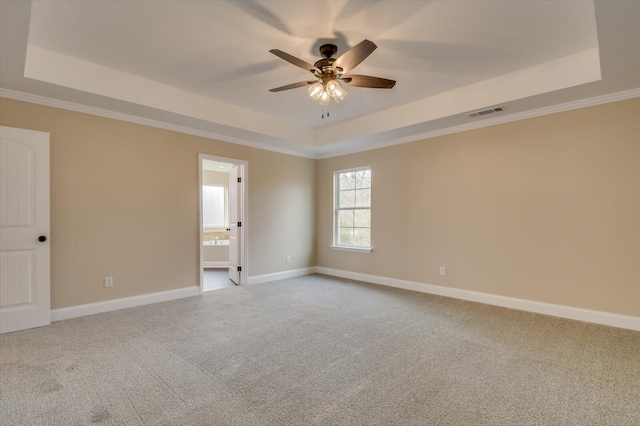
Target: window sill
351	248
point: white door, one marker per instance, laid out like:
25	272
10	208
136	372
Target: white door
24	229
235	222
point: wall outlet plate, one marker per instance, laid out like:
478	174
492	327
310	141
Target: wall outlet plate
443	271
288	259
108	282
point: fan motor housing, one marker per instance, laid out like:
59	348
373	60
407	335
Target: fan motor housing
325	64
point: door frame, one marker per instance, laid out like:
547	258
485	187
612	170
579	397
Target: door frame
244	239
36	312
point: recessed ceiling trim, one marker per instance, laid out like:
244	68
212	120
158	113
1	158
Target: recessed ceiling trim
325	152
85	109
52	67
570	71
488	122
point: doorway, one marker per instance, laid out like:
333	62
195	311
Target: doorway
223	227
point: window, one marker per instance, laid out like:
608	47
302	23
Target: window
352	221
213	207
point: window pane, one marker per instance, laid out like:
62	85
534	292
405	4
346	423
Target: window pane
345	218
362	219
362	237
346	236
363	198
347	198
213	207
363	179
353	205
347	180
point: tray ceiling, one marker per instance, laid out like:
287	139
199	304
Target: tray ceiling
207	66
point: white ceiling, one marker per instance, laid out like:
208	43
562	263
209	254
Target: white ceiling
206	66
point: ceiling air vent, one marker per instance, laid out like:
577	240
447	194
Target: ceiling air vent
486	112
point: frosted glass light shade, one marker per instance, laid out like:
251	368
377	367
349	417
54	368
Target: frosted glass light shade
315	90
324	98
339	93
332	87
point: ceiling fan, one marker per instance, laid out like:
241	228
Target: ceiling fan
329	71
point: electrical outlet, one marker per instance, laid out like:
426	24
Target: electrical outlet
108	282
288	259
443	271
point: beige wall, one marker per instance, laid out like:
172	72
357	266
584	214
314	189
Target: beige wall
124	203
546	209
215	178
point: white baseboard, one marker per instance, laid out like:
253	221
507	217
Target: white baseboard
215	264
259	279
586	315
126	302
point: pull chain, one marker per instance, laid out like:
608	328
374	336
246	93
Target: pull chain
323	111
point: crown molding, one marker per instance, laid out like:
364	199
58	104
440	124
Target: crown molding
72	106
568	106
538	112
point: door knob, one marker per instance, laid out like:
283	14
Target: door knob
42	238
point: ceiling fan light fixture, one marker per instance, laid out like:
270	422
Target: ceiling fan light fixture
315	90
328	71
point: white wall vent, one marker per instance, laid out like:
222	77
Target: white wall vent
486	112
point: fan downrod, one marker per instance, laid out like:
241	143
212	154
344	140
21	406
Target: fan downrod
328	50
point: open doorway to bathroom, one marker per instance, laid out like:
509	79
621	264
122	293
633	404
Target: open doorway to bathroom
223	230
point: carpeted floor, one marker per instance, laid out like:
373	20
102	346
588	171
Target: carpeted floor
320	351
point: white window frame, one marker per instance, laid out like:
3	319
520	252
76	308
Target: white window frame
226	215
336	212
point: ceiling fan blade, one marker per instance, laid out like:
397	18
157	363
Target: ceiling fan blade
368	81
355	56
292	86
295	61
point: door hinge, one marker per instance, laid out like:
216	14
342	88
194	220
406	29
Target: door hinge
239	180
239	268
239	224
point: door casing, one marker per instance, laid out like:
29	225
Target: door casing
244	237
